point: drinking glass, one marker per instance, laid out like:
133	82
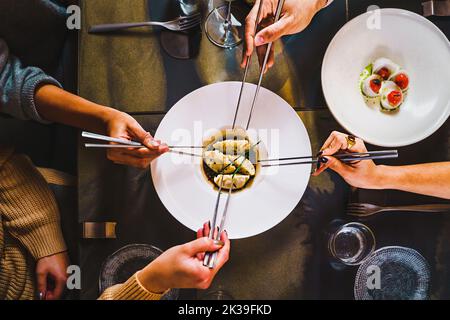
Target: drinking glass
224	26
189	6
351	243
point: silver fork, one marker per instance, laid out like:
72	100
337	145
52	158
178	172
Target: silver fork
180	24
367	210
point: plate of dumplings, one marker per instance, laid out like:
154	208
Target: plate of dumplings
210	155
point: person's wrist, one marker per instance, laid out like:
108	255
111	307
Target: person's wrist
380	177
152	280
109	114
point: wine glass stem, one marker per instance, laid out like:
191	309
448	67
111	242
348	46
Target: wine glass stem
228	19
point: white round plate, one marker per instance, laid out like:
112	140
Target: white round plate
275	191
415	44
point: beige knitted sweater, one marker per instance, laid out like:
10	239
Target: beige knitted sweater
30	230
29	225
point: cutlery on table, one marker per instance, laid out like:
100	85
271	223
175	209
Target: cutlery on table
179	24
368	210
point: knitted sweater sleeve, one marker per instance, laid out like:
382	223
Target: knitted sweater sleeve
132	289
28	208
18	84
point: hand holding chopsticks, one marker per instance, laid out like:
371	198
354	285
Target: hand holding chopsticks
127	144
343	153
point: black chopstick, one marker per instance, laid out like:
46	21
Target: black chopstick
348	158
339	155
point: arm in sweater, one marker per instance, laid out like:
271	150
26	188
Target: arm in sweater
18	84
130	290
28	207
178	267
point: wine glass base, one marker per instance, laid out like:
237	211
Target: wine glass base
220	32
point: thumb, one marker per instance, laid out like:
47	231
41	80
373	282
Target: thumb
271	33
203	245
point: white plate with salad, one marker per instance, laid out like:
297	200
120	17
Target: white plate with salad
388	83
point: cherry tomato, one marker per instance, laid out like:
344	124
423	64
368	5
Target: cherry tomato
395	98
384	73
402	81
375	85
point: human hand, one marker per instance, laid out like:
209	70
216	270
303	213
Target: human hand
362	174
182	266
51	274
295	17
122	125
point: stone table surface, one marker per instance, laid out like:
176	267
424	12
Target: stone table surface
131	72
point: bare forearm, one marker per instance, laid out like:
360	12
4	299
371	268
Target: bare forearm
431	179
56	105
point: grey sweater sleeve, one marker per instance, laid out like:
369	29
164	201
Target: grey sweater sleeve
18	84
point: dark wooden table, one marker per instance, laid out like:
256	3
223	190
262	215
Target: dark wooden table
131	72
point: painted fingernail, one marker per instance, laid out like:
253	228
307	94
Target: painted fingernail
318	165
209	224
319	154
323	159
226	232
259	40
154	143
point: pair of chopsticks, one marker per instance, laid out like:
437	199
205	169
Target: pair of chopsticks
344	157
127	144
263	67
210	257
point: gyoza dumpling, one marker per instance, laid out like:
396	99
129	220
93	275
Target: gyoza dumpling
232	146
217	161
247	166
230	182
